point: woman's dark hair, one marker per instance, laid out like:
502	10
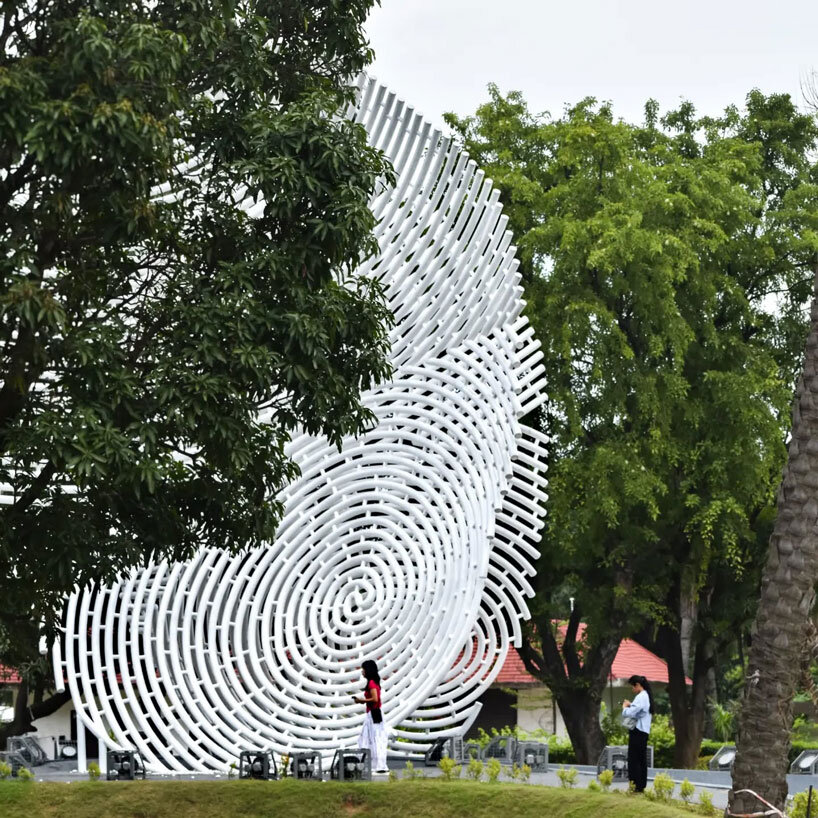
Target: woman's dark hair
641	680
370	670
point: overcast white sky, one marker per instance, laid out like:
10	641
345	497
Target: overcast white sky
439	55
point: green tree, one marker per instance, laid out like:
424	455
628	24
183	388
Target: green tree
182	209
650	255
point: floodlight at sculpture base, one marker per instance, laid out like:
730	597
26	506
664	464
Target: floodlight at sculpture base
351	765
806	763
615	757
306	766
124	765
724	759
503	748
438	750
534	754
257	764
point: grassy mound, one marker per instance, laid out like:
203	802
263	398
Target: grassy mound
262	799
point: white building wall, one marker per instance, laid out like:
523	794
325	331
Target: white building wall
57	724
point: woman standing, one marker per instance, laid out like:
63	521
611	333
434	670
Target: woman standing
638	715
373	733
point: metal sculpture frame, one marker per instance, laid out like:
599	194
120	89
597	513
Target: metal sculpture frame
412	546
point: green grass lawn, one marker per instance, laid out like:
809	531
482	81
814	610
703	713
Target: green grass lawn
303	799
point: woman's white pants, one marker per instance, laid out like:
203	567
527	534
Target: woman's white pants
373	738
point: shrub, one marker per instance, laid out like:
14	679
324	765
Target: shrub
525	772
93	771
24	774
567	777
724	721
493	768
663	787
686	791
606	779
561	751
706	803
593	785
798	808
5	770
663	740
474	770
393	776
450	768
613	729
411	773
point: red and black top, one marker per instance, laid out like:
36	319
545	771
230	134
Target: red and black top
371	686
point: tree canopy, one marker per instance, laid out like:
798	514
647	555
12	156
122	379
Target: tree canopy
666	266
182	206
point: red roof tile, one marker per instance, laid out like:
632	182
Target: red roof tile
631	660
9	676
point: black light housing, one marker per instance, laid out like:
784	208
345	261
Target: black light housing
258	764
124	765
351	765
306	766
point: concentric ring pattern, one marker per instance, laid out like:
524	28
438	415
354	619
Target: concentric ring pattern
412	546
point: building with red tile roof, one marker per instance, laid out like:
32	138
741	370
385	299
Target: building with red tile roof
631	660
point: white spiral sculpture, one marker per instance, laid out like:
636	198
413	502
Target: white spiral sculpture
411	546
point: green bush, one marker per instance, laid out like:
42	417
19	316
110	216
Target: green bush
724	721
93	771
493	768
450	768
525	772
593	785
706	803
567	777
560	751
474	770
24	774
686	791
411	773
798	808
663	787
5	770
606	779
663	740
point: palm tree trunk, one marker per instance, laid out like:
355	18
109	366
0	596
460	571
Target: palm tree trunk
787	596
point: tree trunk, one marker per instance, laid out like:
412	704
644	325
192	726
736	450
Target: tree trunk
787	596
577	676
688	703
580	712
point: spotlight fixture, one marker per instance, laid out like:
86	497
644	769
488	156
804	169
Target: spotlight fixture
534	754
503	748
806	763
615	757
306	765
438	749
124	765
351	765
724	758
258	764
